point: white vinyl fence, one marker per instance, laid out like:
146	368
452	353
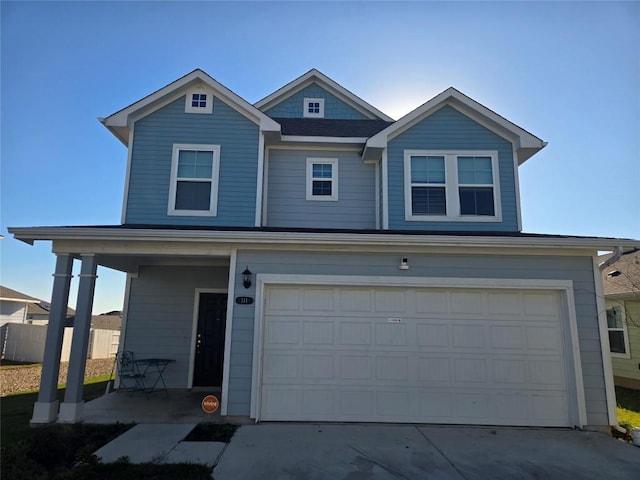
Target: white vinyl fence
25	343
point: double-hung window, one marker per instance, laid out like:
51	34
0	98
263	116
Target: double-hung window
618	342
194	180
451	186
322	179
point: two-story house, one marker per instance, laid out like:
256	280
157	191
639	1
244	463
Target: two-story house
315	260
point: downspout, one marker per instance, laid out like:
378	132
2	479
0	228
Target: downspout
611	260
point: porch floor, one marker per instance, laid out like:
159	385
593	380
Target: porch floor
178	406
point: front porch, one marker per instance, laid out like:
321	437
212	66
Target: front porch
177	406
162	319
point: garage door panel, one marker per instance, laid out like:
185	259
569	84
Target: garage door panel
318	333
414	355
390	301
391	334
432	335
352	333
468	336
506	336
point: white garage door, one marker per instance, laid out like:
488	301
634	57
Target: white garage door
380	354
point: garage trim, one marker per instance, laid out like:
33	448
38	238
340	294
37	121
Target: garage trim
565	288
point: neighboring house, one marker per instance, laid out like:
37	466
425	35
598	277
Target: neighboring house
621	281
14	305
38	313
312	259
104	321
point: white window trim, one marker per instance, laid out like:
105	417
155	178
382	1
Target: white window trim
334	180
305	108
452	186
213	206
624	330
206	110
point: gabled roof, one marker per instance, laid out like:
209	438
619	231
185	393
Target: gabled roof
623	276
120	122
325	127
43	308
9	295
317	77
526	144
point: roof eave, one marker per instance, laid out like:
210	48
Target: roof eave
31	234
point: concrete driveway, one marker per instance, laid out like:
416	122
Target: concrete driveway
358	452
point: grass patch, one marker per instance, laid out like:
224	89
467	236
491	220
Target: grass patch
16	409
211	432
628	419
11	365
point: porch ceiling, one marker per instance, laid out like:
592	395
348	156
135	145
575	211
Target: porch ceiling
131	263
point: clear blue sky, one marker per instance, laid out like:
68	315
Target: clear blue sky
567	72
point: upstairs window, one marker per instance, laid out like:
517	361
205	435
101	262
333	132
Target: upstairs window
313	108
194	180
451	186
322	179
198	101
618	341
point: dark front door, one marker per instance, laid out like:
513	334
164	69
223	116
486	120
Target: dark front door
212	314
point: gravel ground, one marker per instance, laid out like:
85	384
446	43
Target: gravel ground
21	378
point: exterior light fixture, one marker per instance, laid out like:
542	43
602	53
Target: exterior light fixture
246	277
404	263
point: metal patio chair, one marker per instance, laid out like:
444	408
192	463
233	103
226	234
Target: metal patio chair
131	379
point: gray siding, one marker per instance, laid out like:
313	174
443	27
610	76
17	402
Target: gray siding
333	107
286	193
449	129
577	269
13	312
160	314
150	174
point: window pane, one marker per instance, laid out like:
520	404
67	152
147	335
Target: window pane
616	341
614	317
322	170
195	164
193	195
427	169
476	201
475	170
428	201
321	187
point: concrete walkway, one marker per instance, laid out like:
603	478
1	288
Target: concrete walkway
358	452
160	443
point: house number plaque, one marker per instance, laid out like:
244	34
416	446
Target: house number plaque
244	300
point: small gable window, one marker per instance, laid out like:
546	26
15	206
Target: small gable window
313	108
194	180
322	179
198	101
451	186
618	341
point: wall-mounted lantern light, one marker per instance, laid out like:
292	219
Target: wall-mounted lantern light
246	277
404	263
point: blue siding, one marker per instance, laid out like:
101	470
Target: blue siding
333	107
286	192
160	314
577	269
449	129
150	173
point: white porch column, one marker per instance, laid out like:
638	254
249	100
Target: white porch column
45	409
71	408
